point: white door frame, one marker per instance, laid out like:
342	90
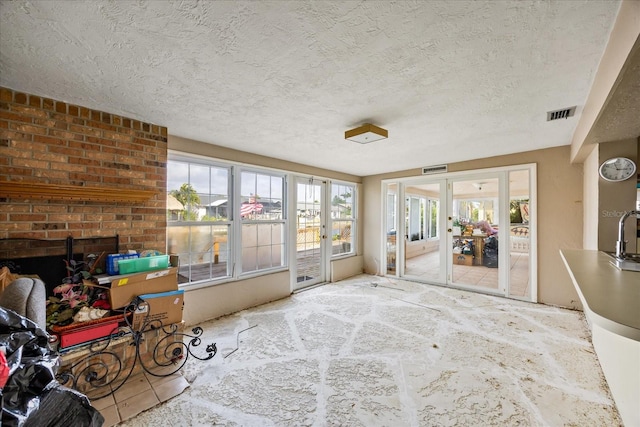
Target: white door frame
323	262
503	246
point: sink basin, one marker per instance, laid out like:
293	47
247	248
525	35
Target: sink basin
631	262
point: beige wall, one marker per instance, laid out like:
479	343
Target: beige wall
214	151
206	303
346	267
616	198
420	247
215	301
560	215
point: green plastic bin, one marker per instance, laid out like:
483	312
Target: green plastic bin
127	266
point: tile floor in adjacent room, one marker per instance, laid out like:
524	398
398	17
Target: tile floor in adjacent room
374	351
426	267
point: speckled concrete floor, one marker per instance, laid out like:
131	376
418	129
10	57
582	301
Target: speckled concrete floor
370	351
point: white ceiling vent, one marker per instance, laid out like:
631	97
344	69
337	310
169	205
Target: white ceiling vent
428	170
565	113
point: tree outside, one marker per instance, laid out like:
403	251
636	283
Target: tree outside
190	200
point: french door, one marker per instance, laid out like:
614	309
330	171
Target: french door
311	233
473	230
473	222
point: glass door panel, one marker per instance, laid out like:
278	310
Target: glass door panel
519	235
391	228
310	235
475	224
424	230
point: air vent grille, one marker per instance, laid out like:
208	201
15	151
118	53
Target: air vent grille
428	170
565	113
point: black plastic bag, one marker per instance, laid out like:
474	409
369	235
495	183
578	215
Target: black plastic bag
62	406
32	396
490	252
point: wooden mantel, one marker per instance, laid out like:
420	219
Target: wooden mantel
31	190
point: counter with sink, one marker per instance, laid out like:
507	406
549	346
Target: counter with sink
611	301
610	296
631	262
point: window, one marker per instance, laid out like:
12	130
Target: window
263	225
391	213
434	208
227	220
414	221
198	226
343	219
421	218
474	210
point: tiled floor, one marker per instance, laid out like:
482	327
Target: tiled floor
427	267
372	351
139	393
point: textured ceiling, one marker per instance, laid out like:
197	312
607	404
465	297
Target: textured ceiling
449	80
621	117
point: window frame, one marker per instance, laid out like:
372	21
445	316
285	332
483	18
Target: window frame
423	221
240	222
228	223
429	228
234	222
353	220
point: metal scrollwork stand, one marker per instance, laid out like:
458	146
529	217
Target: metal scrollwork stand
102	371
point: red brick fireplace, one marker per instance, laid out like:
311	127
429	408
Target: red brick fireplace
70	171
67	170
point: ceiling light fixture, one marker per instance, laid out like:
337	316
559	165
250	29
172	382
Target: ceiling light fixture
366	133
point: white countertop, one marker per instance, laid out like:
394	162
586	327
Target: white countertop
610	297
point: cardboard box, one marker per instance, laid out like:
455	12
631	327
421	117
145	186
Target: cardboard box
124	289
165	307
462	259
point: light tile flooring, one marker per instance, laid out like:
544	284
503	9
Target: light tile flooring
139	393
372	351
427	267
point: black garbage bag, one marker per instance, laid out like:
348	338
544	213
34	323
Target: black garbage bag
31	395
490	252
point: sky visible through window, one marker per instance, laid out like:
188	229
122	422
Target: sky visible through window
204	179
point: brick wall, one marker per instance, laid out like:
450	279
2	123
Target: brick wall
52	142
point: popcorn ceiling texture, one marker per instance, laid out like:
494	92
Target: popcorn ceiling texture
350	354
450	80
47	141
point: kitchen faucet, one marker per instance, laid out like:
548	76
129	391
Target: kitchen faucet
621	245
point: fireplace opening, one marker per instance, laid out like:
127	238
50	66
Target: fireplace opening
46	258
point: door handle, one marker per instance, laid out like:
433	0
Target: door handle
449	230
